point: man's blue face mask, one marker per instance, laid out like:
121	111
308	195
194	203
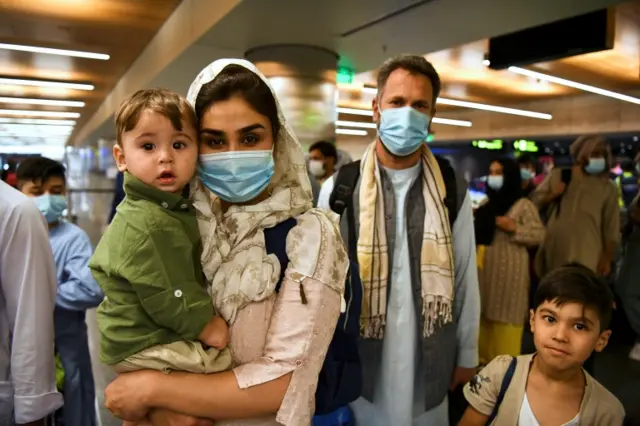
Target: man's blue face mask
403	130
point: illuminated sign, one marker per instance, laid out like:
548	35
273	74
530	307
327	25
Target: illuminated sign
430	137
495	144
525	146
344	75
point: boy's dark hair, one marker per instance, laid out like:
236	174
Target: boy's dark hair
575	283
39	168
415	64
326	148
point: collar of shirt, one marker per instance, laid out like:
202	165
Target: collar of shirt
137	189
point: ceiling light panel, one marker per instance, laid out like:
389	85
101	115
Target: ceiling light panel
51	102
450	122
494	108
37	121
45	83
50	51
32	113
352	132
575	85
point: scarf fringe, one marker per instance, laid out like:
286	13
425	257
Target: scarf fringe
436	311
373	328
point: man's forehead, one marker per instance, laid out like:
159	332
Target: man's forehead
401	79
53	182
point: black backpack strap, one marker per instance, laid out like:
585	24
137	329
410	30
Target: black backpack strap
506	381
342	198
451	185
275	240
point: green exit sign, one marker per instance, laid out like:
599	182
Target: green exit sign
495	144
345	75
523	145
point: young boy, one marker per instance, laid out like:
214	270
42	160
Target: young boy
157	310
44	180
572	310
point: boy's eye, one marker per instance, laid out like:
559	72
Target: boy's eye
147	146
179	145
580	327
549	319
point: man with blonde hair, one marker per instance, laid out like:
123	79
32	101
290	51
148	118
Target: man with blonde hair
583	213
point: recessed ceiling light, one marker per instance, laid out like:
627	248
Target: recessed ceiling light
436	120
465	104
494	108
575	85
52	102
351	132
37	121
50	51
450	122
31	113
45	83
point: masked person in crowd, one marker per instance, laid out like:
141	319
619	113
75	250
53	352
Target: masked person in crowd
44	180
628	282
527	173
323	157
409	229
28	293
583	216
506	225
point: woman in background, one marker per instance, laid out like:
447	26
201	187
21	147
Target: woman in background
506	226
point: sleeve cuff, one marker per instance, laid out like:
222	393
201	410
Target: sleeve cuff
28	409
468	358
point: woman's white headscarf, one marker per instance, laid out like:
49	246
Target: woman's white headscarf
234	259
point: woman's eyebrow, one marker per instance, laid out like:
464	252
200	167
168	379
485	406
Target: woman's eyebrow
212	132
250	128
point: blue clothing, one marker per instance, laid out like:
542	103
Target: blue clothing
118	195
77	292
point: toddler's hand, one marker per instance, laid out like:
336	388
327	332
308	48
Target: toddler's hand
215	333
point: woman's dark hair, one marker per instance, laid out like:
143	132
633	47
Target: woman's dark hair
236	80
575	283
500	201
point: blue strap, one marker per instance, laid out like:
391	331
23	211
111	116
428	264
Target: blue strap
506	381
343	416
275	240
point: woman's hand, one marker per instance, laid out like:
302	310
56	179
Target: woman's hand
126	397
160	417
506	224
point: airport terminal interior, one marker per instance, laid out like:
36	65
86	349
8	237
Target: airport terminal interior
519	80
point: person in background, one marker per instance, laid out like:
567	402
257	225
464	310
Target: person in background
584	217
421	307
44	180
527	173
569	321
627	282
27	298
323	158
118	195
507	225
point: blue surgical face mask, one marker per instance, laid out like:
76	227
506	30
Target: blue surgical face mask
526	174
236	176
403	130
495	182
51	206
595	166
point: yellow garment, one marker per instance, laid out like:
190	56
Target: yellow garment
436	257
497	338
178	356
480	251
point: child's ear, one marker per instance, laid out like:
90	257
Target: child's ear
118	156
532	316
603	340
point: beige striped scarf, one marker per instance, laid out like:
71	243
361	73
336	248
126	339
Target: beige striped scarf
436	258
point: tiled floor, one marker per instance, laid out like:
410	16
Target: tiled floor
613	368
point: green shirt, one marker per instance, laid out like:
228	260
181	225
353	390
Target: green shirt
148	265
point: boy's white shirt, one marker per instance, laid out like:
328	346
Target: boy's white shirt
598	407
